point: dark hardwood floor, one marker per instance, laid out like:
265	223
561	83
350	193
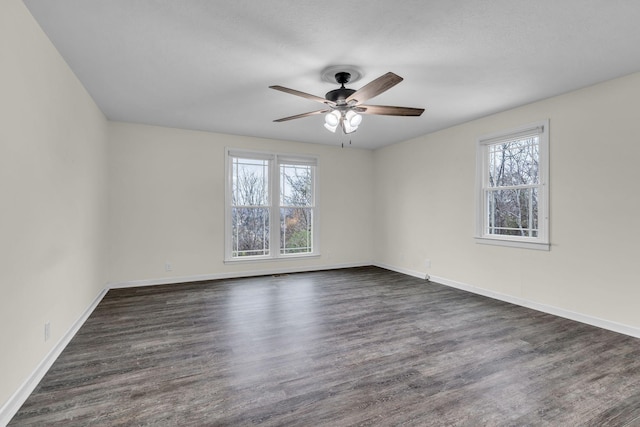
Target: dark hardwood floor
361	346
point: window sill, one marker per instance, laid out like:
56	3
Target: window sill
513	243
270	259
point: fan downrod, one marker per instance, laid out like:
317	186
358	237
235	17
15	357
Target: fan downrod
343	77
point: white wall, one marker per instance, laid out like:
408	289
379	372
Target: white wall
425	206
53	196
166	203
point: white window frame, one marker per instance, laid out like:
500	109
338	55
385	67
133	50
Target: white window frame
541	242
275	160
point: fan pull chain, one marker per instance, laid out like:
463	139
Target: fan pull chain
349	143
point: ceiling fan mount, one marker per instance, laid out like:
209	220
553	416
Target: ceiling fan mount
329	73
344	106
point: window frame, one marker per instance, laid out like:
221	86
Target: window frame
541	242
274	204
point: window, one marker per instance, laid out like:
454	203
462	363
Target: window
512	187
271	206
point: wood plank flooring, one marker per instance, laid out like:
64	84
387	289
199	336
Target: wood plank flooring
362	346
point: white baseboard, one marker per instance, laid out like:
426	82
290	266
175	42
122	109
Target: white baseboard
414	273
230	275
549	309
11	406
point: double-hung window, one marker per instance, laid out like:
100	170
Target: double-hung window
271	207
512	187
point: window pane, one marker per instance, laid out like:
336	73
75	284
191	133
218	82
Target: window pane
250	182
514	162
295	230
250	231
295	185
513	212
258	197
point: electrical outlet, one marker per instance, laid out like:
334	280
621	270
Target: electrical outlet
427	263
47	330
167	266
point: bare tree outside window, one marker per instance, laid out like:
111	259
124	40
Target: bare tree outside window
512	193
296	200
512	184
271	206
250	207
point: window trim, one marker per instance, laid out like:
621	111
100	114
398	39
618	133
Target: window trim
274	203
541	128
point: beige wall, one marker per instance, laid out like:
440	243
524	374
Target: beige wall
425	206
166	203
53	189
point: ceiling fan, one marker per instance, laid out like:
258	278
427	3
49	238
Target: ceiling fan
344	106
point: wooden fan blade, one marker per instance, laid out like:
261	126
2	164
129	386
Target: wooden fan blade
299	116
302	94
375	88
386	110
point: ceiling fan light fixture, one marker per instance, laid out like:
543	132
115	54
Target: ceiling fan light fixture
353	118
332	119
347	128
331	128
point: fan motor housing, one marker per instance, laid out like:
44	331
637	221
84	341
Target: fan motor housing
339	95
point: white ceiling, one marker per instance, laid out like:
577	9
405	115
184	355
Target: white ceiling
207	65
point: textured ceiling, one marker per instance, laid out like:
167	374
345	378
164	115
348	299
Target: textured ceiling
207	65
